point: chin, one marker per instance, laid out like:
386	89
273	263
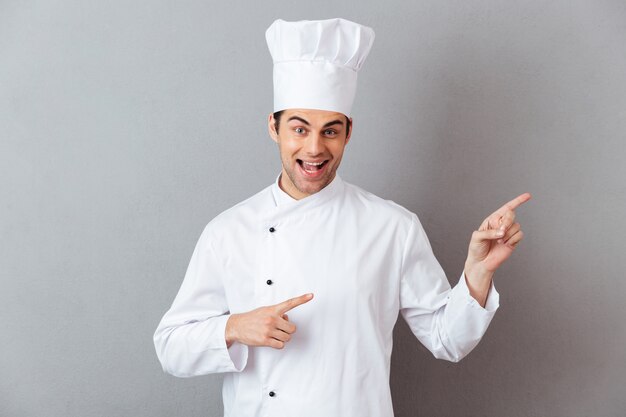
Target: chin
309	188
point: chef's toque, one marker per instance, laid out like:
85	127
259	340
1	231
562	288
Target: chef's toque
316	63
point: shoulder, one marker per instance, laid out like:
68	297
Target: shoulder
241	214
370	204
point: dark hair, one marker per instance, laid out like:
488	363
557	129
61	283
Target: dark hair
278	114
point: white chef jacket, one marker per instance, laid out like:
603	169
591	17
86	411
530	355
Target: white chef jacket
364	258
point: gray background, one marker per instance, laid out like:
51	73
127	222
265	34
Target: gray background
126	126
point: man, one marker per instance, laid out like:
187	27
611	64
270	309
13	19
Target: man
294	292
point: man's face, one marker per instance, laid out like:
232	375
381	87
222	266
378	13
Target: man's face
311	144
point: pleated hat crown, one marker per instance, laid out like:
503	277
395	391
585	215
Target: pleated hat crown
316	63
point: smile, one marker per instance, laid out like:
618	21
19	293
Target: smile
312	169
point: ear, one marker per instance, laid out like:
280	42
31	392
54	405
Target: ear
271	128
349	135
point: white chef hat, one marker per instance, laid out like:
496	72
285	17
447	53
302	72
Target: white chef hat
316	63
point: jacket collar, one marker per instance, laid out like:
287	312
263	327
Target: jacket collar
284	200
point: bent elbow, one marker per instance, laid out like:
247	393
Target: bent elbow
449	356
168	365
452	352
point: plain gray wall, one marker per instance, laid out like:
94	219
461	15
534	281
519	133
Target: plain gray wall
126	126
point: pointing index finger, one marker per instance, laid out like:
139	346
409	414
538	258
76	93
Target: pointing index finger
285	306
516	202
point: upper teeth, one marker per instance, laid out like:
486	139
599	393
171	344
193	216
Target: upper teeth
312	163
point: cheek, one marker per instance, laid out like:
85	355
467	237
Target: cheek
288	147
337	150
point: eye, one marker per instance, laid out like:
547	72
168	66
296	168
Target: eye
299	130
330	132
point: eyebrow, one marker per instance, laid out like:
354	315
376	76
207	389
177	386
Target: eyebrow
334	122
300	119
331	123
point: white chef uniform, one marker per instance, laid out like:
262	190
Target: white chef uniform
364	258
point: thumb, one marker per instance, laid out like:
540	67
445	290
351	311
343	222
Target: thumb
491	234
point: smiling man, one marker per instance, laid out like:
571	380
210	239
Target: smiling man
311	145
341	261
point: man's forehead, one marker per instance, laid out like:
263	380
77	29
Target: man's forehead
313	115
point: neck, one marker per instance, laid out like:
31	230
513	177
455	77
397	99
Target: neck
289	187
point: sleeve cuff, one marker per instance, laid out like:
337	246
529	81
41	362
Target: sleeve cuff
466	320
493	297
231	359
237	353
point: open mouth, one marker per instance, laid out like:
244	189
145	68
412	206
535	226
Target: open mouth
311	167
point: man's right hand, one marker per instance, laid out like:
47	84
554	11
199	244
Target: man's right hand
264	326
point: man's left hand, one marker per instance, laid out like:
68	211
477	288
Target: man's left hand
492	244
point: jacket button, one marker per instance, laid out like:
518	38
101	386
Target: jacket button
269	282
272	393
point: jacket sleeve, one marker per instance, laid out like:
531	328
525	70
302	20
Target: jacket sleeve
190	339
449	322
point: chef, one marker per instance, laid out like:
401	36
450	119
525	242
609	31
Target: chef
293	293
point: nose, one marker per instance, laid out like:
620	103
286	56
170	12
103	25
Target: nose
314	144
